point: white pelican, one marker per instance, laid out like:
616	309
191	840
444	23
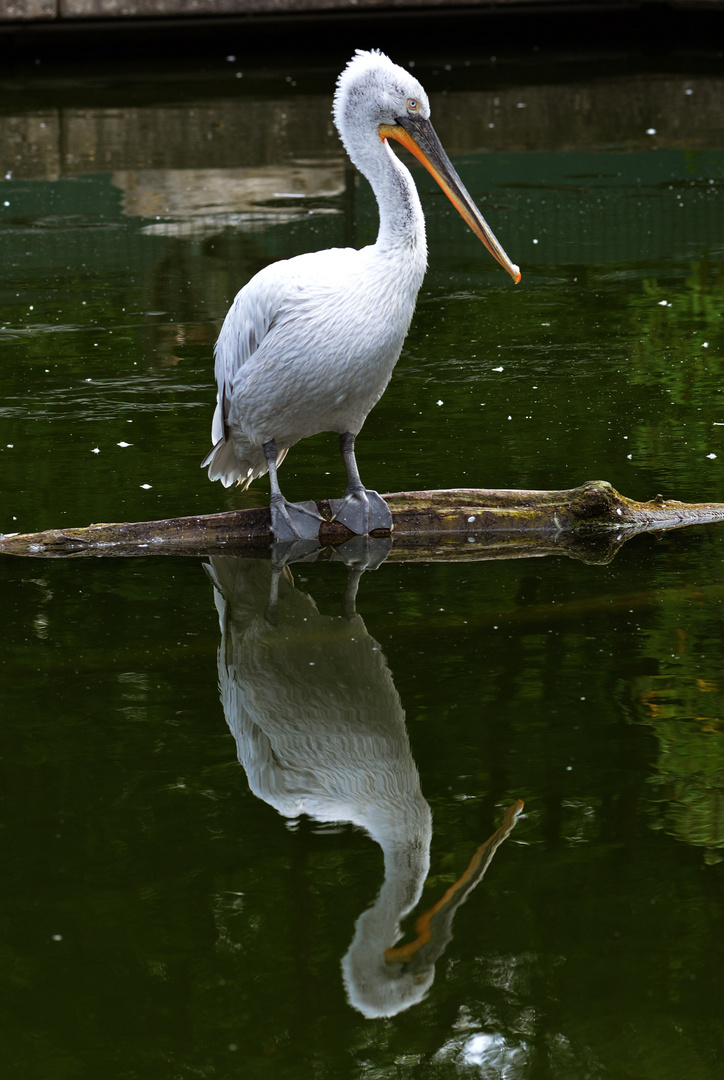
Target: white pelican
309	344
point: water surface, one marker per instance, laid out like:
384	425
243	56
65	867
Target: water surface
170	912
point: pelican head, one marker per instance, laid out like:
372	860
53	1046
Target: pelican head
376	98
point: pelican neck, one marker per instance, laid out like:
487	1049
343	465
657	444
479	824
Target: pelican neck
402	223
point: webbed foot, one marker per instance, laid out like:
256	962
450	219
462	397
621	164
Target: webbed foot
362	511
294	521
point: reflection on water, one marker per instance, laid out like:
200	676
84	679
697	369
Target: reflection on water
481	105
491	1056
197	202
682	703
320	730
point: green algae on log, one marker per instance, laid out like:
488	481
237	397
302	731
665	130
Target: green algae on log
589	522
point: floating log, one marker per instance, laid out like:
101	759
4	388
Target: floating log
589	522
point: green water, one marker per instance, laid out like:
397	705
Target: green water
167	912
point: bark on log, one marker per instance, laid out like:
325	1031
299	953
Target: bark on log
589	522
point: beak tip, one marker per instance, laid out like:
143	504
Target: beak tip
516	275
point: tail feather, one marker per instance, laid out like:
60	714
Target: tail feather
225	466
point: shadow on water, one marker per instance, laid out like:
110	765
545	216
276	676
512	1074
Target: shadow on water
320	730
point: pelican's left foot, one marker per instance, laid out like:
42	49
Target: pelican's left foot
362	511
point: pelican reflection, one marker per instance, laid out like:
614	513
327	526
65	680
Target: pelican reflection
320	730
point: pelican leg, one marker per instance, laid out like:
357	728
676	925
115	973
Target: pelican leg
290	521
361	509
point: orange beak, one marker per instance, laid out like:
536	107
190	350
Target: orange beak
418	135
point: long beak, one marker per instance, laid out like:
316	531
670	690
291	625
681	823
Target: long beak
418	135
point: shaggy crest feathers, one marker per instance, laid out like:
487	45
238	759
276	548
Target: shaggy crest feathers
369	69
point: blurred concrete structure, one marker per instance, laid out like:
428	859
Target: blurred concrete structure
68	10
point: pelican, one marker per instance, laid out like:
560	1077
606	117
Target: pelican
310	343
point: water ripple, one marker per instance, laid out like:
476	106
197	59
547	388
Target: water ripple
106	399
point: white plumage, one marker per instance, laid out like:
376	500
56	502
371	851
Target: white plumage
309	344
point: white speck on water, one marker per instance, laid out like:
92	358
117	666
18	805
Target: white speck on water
662	303
96	450
520	105
629	456
6	203
57	937
471	519
711	456
650	131
146	487
535	241
231	59
705	344
497	369
124	444
10	445
440	402
688	90
569	768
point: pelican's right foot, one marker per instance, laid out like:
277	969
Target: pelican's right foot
294	521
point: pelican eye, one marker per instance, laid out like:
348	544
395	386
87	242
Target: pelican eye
413	105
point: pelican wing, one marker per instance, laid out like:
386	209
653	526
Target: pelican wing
247	323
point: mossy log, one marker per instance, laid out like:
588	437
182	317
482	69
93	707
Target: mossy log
589	522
